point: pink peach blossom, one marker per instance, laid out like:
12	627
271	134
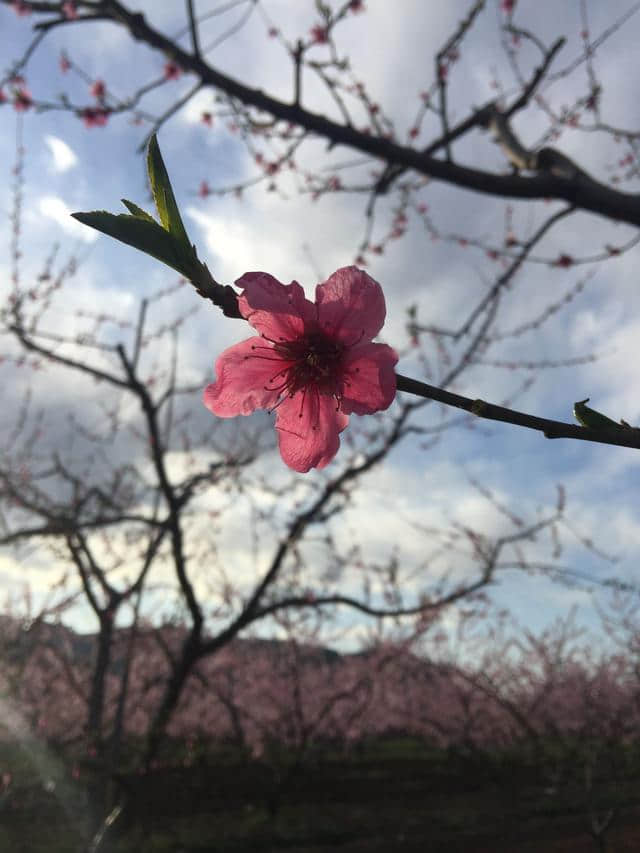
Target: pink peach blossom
319	34
22	99
94	117
21	8
98	89
172	70
69	10
314	364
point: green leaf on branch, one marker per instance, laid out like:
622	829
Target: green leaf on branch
163	194
137	211
592	419
142	233
167	240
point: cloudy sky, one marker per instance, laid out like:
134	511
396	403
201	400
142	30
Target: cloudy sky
69	167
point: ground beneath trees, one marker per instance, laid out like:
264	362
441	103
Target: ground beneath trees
360	805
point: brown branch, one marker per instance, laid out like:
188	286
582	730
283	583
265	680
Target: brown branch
478	118
167	489
193	28
587	195
29	344
549	428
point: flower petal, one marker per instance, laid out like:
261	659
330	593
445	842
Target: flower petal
278	311
350	306
241	377
369	379
308	427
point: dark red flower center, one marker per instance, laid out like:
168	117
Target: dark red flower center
315	361
312	362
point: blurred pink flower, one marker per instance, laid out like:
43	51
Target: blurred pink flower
22	99
319	34
172	70
563	261
314	364
20	8
94	117
98	89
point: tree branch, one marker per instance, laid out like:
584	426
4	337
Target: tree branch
549	428
584	194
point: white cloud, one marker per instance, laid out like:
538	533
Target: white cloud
239	246
54	208
64	157
200	103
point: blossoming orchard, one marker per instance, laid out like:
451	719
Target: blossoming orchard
408	616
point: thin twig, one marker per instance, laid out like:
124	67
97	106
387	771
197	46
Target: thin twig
489	411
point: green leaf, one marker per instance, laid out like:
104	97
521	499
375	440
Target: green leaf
143	233
595	420
163	194
167	240
137	211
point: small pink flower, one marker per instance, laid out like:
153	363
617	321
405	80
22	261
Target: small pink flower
64	63
313	364
98	89
206	118
592	101
172	70
319	34
3	97
204	189
563	261
21	8
356	6
94	117
22	99
69	10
